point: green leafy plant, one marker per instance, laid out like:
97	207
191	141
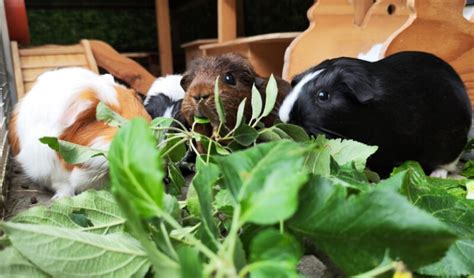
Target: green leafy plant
259	197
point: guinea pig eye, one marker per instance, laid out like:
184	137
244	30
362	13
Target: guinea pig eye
323	96
229	79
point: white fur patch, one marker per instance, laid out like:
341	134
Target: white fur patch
468	12
374	54
443	170
169	85
290	100
167	113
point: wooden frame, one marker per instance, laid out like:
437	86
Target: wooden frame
29	63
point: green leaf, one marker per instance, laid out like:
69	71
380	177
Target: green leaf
455	211
297	133
161	122
190	261
175	148
103	113
468	169
356	231
95	207
70	152
268	135
72	253
201	120
192	202
218	102
277	200
177	180
224	201
345	151
273	254
271	93
256	103
136	169
318	159
13	264
220	149
245	135
141	230
263	182
205	178
348	176
240	113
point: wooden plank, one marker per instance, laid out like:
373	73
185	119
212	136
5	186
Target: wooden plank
52	50
198	42
121	67
227	20
30	75
164	36
361	7
52	61
20	89
89	56
266	38
28	86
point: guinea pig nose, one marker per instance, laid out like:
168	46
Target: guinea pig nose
201	97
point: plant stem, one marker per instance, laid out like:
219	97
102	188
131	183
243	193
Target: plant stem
197	243
168	241
208	151
377	271
232	236
174	146
195	150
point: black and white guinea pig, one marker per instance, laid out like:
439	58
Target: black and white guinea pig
164	97
413	105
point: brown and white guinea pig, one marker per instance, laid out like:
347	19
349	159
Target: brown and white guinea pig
236	77
413	105
62	103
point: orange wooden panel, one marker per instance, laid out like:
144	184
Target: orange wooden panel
332	32
52	50
265	52
227	20
164	36
440	28
20	89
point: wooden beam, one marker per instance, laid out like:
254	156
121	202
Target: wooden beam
227	20
164	36
20	89
361	7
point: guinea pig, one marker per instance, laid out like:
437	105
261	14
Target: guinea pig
164	97
62	103
412	105
236	77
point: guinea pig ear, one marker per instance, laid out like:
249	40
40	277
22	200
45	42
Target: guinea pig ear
361	86
261	83
186	81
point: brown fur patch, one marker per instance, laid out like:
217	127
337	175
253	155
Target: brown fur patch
12	134
86	128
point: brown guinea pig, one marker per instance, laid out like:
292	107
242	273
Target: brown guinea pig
236	77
